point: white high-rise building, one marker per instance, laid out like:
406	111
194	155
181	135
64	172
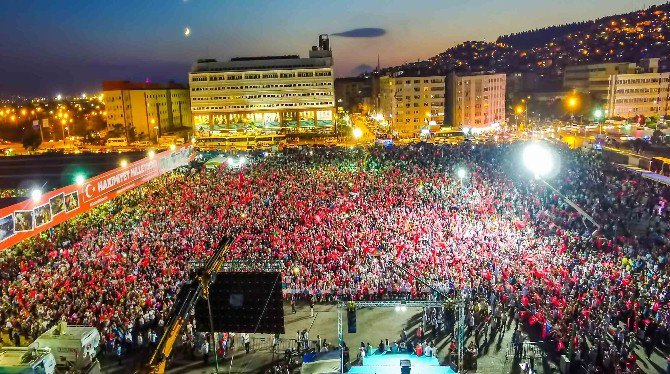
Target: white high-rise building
631	95
270	93
475	100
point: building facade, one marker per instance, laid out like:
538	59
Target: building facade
273	93
631	95
145	111
410	104
475	100
354	95
594	78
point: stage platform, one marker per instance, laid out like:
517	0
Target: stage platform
390	364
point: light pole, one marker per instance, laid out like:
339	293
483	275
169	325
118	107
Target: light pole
597	115
461	173
62	127
572	104
519	111
540	161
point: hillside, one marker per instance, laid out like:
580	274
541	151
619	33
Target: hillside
620	38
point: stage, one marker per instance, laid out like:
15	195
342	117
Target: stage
390	364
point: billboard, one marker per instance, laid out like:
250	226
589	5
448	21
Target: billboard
33	216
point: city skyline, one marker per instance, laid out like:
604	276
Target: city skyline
67	48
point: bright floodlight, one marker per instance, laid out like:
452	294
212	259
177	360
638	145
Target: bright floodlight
79	179
598	113
123	163
151	153
173	147
36	194
461	173
538	159
357	133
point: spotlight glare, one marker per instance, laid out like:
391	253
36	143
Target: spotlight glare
36	194
538	159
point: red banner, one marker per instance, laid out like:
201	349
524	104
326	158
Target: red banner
33	216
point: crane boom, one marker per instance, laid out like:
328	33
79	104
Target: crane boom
186	298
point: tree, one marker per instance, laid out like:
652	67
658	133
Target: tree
116	131
31	139
91	137
132	136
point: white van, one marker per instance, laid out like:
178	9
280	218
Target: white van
73	347
116	142
27	360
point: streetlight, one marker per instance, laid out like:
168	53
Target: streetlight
357	133
79	179
461	173
572	103
123	163
518	110
151	153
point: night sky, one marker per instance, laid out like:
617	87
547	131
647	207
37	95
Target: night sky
70	46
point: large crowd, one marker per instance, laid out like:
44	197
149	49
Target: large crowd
336	218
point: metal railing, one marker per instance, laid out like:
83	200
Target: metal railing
281	345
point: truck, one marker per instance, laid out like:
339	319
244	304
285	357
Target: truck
24	360
73	347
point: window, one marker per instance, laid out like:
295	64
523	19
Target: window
305	74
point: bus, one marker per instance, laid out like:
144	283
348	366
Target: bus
226	142
452	137
267	141
116	142
241	142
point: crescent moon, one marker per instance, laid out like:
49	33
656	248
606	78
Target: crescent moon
187	31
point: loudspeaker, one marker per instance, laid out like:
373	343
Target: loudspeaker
351	321
243	302
405	366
